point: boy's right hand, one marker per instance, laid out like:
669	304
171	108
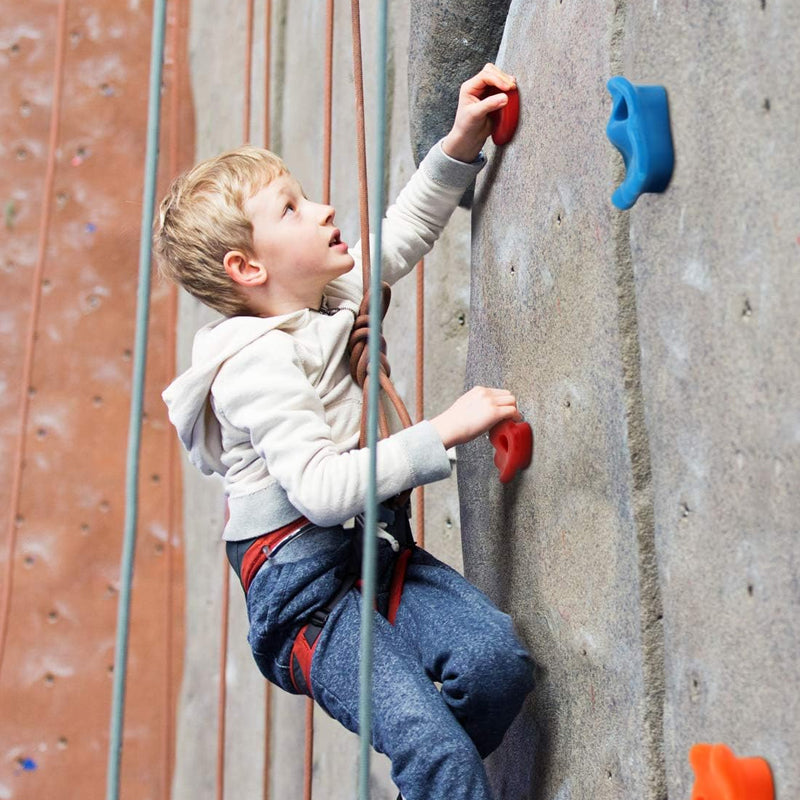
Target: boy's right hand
475	413
473	122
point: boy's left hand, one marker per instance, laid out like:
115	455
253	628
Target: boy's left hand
472	124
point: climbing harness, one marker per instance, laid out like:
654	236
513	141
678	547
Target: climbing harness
393	526
305	642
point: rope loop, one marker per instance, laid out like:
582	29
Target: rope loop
359	366
359	339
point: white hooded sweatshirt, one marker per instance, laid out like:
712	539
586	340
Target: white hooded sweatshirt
269	403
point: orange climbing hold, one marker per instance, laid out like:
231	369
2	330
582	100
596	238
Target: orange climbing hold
720	775
513	444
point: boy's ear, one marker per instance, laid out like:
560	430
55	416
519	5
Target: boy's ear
243	271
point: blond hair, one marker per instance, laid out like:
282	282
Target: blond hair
202	218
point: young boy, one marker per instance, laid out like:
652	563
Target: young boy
269	404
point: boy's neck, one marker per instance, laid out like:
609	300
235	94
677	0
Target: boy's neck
261	306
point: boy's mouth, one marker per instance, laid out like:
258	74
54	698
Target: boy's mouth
336	239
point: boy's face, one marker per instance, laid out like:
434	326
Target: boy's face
295	239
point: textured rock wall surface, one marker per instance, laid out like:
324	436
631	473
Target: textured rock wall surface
650	554
558	547
715	268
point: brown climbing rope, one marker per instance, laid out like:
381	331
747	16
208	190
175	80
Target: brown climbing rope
359	366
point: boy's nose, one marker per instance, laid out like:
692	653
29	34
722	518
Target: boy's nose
327	214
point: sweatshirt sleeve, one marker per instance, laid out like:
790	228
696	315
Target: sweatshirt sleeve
417	218
264	391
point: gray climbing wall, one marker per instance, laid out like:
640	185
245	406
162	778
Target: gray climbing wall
561	548
650	555
716	265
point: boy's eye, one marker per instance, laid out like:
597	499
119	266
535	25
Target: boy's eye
288	209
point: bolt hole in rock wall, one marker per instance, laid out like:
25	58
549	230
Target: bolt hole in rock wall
651	553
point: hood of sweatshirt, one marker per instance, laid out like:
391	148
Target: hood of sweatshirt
188	397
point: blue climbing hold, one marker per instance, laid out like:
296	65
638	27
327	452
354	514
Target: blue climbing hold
639	129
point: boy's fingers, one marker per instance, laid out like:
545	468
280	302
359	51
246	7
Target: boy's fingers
504	77
494	74
489	104
477	113
490	75
506	400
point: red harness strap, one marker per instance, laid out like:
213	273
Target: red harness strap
305	642
396	586
302	654
307	637
257	553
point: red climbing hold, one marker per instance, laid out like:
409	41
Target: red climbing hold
504	121
722	776
513	444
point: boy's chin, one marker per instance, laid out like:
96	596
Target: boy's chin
347	265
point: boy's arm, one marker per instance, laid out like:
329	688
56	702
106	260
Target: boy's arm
264	390
414	222
422	209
